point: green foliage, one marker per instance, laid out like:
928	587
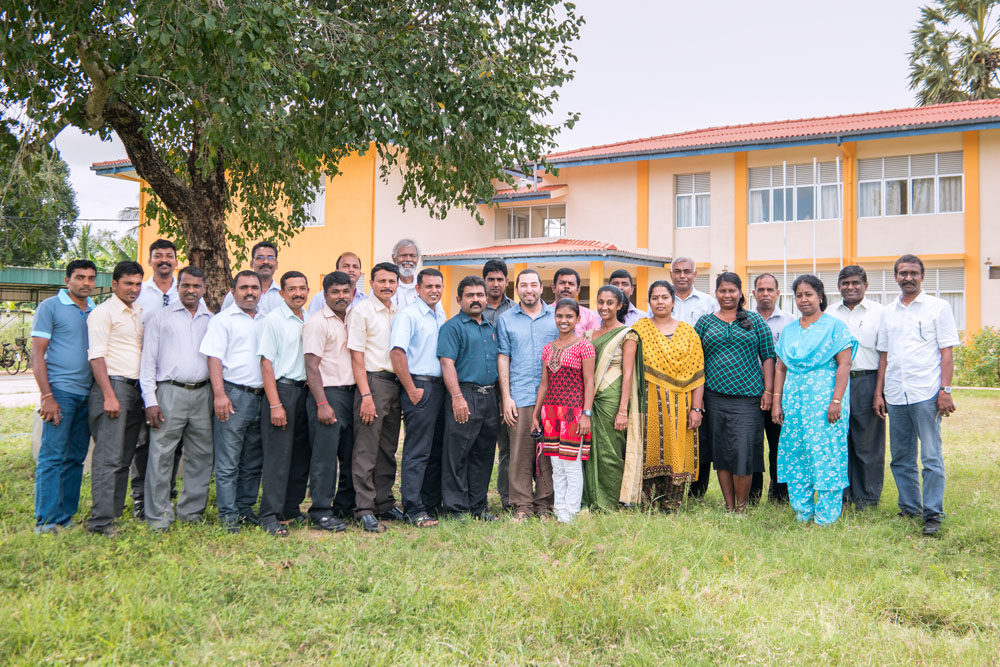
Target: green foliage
955	56
977	360
37	204
103	247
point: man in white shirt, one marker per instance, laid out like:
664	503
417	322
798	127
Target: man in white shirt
405	255
263	262
350	264
689	304
230	343
866	433
766	298
915	341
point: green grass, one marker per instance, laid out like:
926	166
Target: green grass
628	587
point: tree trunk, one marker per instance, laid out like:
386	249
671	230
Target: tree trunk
205	234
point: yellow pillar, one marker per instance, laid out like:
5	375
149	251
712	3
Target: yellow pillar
849	168
740	215
513	277
448	293
642	230
973	268
641	287
596	280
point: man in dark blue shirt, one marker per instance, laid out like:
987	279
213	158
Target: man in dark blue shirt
467	346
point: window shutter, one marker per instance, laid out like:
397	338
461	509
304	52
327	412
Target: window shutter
950	163
702	182
760	177
828	172
803	174
778	175
870	170
683	184
923	165
951	280
897	167
702	283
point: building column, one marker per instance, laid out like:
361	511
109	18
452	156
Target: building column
849	208
596	280
740	216
448	293
521	266
973	267
641	231
641	287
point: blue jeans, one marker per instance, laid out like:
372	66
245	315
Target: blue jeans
238	456
907	424
60	461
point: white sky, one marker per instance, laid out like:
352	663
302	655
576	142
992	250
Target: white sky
651	67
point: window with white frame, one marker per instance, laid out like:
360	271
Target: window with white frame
316	207
784	193
910	185
530	222
693	205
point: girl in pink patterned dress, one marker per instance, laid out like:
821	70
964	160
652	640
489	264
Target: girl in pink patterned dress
563	408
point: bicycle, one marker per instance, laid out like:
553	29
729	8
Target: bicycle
15	358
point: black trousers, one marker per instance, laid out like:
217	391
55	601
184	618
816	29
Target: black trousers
469	450
776	491
420	486
285	472
865	446
331	486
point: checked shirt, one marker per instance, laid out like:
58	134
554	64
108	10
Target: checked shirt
733	355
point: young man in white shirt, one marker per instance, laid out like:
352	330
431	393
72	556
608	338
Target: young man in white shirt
915	342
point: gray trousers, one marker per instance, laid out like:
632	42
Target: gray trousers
114	447
375	444
187	414
865	446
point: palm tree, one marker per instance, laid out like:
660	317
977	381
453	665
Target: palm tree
954	57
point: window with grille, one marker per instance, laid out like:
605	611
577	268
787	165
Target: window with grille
316	208
784	193
910	185
693	200
530	222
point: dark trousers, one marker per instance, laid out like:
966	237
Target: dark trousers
776	491
285	471
331	455
238	456
468	454
865	446
699	487
140	461
375	444
114	447
503	463
420	484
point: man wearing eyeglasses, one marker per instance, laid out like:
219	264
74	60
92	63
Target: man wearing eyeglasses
264	262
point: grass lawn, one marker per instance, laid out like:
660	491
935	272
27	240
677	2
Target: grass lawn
701	587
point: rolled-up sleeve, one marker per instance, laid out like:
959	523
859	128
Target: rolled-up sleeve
449	340
267	341
945	329
314	335
357	331
98	333
150	355
214	342
503	336
402	331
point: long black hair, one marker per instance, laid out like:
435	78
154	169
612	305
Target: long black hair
742	316
816	284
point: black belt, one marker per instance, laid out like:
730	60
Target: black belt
857	374
478	388
385	375
426	378
187	385
341	387
256	391
294	383
119	378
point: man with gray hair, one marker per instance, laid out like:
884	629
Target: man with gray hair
406	255
689	304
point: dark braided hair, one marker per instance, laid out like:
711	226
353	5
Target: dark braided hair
742	316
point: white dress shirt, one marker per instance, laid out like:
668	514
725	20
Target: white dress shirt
777	322
863	321
151	298
406	293
913	336
232	338
692	308
269	300
170	348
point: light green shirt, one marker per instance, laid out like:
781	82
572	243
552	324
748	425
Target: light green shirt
280	342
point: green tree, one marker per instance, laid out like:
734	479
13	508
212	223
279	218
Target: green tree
954	54
37	205
104	248
238	105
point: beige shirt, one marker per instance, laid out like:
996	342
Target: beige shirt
368	326
325	335
114	332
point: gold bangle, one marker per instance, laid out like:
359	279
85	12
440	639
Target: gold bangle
835	400
778	394
768	392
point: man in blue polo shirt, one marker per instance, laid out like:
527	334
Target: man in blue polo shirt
62	371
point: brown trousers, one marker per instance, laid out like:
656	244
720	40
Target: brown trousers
373	466
522	460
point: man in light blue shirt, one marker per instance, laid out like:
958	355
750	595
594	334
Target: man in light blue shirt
284	421
413	352
63	374
522	333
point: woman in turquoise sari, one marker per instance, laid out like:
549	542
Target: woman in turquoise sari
618	391
812	405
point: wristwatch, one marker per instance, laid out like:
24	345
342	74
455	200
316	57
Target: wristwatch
587	413
698	410
946	390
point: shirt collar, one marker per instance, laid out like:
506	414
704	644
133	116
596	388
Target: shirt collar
380	307
66	300
151	284
464	317
424	308
287	313
695	294
201	310
921	297
118	304
234	309
328	312
546	309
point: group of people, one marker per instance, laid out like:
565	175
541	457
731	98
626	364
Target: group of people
280	396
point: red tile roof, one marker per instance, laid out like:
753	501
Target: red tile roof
574	249
550	247
125	162
526	189
774	132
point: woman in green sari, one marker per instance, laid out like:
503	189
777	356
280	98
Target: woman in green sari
619	390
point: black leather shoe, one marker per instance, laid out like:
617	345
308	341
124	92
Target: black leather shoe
905	515
395	514
932	526
370	524
139	510
250	519
330	523
484	516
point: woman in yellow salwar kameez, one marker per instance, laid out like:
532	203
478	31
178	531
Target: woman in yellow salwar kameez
674	372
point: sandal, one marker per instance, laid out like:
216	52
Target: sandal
423	520
521	516
277	530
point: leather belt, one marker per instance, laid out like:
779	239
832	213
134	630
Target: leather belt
294	383
342	387
478	388
426	378
256	391
384	375
857	374
119	378
187	385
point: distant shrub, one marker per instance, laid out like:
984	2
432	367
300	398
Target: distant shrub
977	360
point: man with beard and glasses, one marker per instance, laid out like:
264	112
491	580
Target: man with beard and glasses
522	333
467	347
330	405
866	430
766	295
566	285
628	314
497	303
916	339
350	264
405	255
284	421
263	262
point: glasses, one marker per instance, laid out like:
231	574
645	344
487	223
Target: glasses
265	258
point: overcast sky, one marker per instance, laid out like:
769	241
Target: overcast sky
649	67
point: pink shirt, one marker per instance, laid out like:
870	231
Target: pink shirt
589	319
